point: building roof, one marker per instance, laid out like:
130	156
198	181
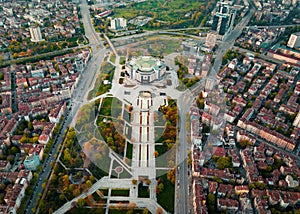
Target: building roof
146	63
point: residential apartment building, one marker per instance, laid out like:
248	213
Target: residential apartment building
118	23
294	41
36	35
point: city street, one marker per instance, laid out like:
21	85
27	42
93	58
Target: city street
182	203
77	99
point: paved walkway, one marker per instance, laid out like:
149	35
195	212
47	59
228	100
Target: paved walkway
109	183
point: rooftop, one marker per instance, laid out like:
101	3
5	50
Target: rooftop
145	63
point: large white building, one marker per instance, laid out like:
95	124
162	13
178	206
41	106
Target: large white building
118	23
36	35
294	41
145	69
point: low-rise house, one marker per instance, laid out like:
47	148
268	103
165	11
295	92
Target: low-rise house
4	165
225	189
14	196
291	182
227	204
241	189
212	187
56	113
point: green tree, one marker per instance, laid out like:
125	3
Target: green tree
200	103
160	187
10	158
81	202
243	144
71	187
205	129
277	163
224	162
89	183
14	150
211	201
1	198
30	126
61	197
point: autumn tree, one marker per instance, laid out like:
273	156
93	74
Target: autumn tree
76	192
148	181
159	210
171	176
134	181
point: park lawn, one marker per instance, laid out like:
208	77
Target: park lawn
114	174
129	151
105	109
167	11
113	58
162	159
116	108
158	132
106	73
143	191
120	192
158	45
159	119
161	149
98	198
100	167
166	197
122	60
126	115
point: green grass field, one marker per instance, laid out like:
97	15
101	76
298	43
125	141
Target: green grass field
106	73
129	151
120	192
173	13
166	197
161	46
